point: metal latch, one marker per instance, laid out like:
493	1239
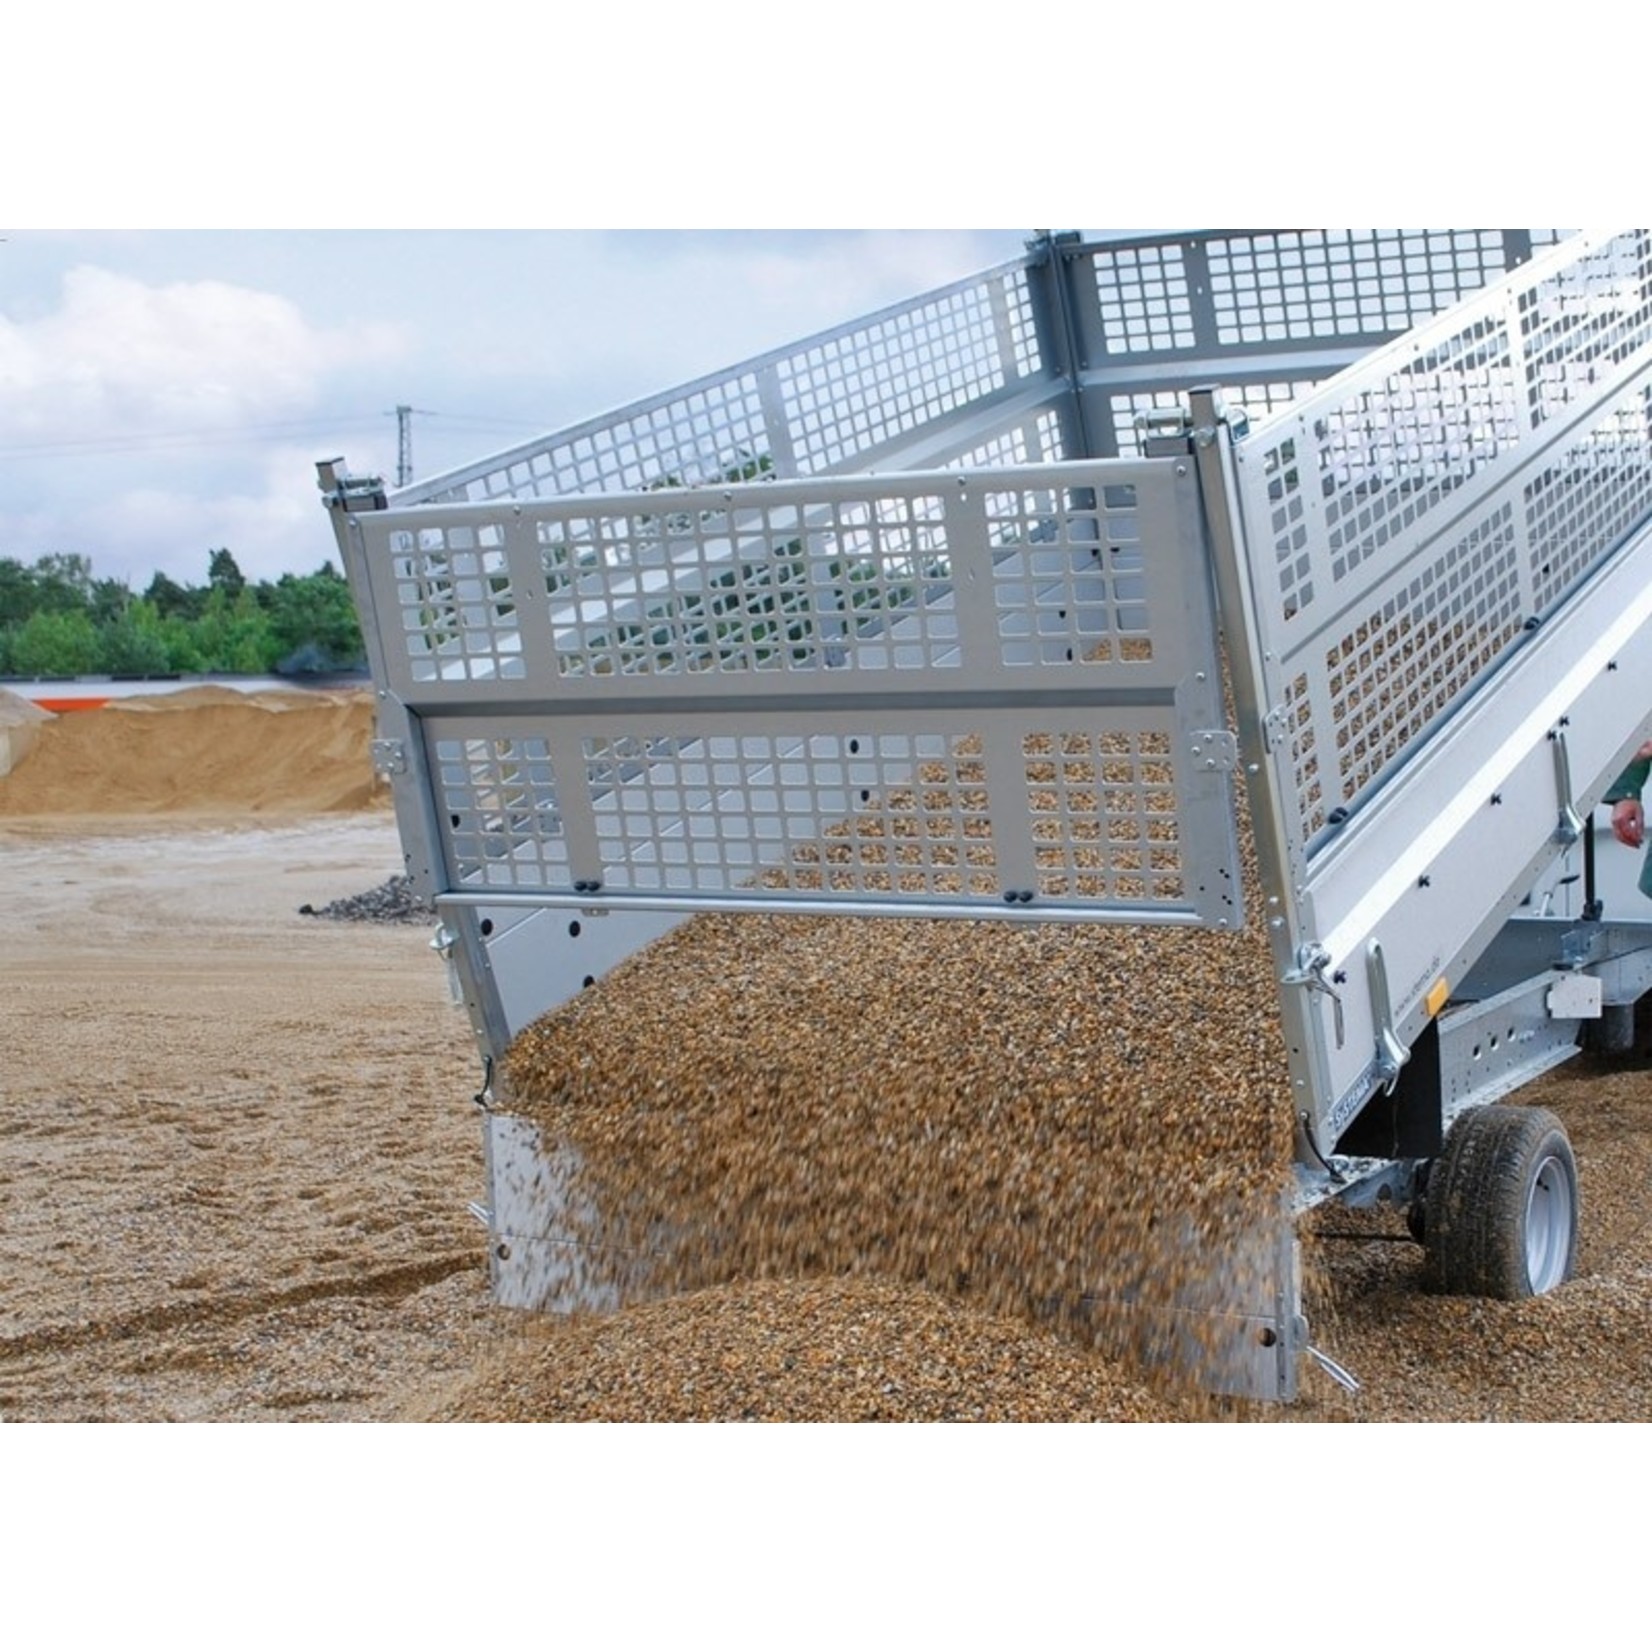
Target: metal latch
1570	827
1391	1053
443	943
1312	960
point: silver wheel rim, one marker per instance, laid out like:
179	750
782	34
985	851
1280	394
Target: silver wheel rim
1549	1219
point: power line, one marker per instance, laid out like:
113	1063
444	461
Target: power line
154	441
148	441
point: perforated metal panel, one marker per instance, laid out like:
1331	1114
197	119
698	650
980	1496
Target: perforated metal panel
949	691
1410	521
828	404
1444	571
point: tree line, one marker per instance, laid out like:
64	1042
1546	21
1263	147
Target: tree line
57	619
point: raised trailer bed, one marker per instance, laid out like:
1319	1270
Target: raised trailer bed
1351	528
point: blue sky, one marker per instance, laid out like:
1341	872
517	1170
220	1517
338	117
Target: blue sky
166	392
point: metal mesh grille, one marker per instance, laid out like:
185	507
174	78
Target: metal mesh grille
860	390
457	609
1069	584
715	433
1317	284
858	584
1578	508
1143	296
1037	441
1074	812
1396	672
869	814
824	404
1392	452
1308	783
1104	814
499	799
1400	493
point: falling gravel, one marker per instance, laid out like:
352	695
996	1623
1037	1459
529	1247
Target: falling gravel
1078	1127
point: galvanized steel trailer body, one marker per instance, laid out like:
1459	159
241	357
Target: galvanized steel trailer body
658	663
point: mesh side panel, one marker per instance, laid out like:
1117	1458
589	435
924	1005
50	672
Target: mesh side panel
1308	783
1587	317
1069	584
859	584
901	814
878	814
1580	506
1387	455
821	405
853	393
1035	442
1104	815
1409	536
1143	296
1405	663
1318	284
457	611
499	799
716	433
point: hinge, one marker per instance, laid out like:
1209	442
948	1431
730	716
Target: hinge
1275	727
389	757
1215	748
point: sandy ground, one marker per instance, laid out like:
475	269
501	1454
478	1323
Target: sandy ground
237	1145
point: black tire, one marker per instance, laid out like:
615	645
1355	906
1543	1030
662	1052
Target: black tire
1416	1213
1502	1205
1613	1034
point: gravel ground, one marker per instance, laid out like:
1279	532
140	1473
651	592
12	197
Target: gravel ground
238	1147
390	902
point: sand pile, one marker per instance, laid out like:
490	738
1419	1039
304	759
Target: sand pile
20	722
206	752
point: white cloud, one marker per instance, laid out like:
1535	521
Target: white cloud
273	523
122	359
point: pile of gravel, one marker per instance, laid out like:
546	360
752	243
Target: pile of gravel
392	902
843	1350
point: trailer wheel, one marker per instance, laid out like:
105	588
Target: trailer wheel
1614	1033
1502	1205
1416	1213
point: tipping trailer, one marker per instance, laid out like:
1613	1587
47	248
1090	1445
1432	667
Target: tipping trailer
1358	523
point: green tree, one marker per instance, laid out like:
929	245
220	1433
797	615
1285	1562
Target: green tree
53	643
234	635
144	643
55	584
107	600
18	592
223	574
174	600
314	621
